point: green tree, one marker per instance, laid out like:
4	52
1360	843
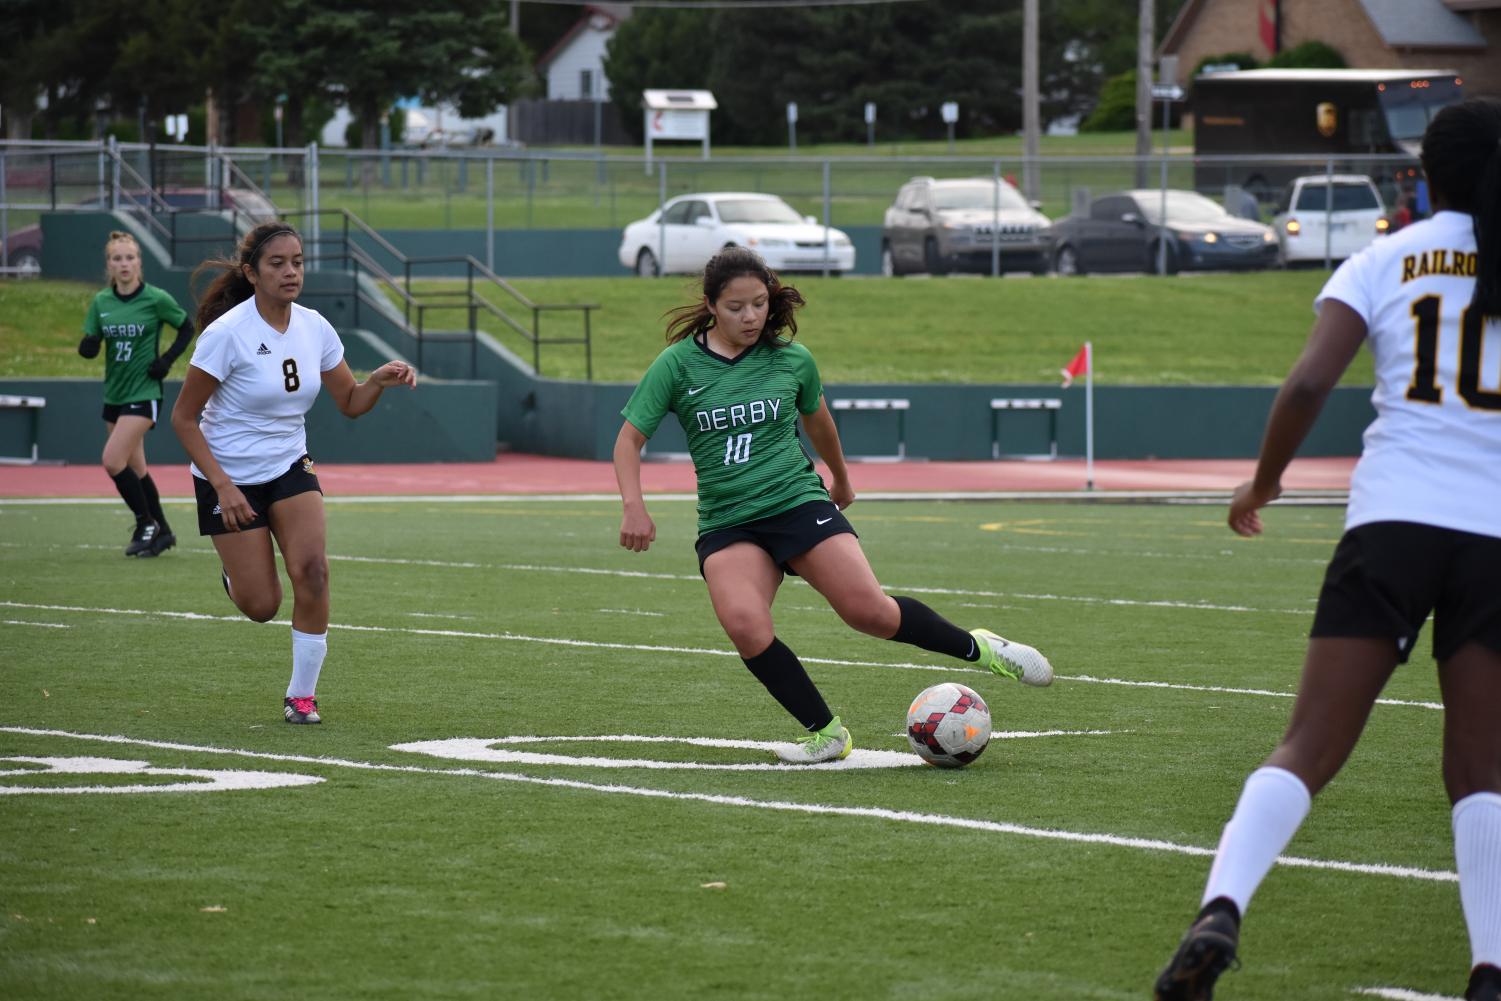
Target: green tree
62	51
1308	55
1115	111
647	52
907	58
165	52
459	52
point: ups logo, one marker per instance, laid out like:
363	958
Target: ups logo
1327	117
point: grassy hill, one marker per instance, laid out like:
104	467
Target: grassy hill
1242	329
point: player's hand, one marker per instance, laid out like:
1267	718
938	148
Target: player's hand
394	373
1244	505
159	368
637	531
842	494
234	509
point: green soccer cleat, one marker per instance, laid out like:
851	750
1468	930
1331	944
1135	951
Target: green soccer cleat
1012	660
832	743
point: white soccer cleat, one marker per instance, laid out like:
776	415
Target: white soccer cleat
1013	660
832	743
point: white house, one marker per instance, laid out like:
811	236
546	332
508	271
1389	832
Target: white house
574	67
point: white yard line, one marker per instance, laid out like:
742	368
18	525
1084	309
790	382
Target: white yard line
1402	994
871	813
1203	606
683	650
1296	498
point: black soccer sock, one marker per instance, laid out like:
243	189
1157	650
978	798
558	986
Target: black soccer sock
923	627
154	502
778	668
129	485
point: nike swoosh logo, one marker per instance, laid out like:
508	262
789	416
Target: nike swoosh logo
822	521
695	392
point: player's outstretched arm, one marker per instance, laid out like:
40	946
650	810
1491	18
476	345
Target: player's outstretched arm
356	398
637	530
824	435
1336	337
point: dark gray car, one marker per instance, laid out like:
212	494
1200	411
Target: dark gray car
1123	232
957	224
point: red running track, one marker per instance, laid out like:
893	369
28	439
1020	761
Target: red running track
512	473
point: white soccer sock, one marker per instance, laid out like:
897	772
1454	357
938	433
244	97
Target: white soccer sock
308	651
1272	805
1477	854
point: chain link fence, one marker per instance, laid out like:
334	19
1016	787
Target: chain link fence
489	193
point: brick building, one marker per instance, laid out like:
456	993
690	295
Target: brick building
1464	35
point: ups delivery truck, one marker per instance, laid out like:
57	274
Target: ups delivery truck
1317	114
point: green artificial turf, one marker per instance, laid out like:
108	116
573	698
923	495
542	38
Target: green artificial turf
1063	864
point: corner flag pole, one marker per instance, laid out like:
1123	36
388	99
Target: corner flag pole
1088	416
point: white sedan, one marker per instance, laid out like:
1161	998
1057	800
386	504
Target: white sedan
684	233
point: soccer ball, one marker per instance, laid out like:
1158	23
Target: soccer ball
948	725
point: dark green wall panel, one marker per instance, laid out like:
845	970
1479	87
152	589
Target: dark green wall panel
437	422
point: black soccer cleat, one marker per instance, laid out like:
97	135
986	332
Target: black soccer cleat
301	710
164	541
143	539
1485	984
1206	950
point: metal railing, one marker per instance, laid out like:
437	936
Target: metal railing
338	244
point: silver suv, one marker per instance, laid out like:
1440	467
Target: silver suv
939	226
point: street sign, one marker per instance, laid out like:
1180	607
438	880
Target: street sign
1167	92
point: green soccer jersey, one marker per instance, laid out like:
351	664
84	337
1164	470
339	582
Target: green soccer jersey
740	416
131	326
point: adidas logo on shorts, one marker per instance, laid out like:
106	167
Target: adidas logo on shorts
216	510
263	350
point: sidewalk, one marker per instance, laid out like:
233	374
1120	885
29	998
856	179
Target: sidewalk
533	474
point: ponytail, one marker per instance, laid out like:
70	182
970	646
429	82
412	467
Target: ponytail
1462	159
1488	235
228	286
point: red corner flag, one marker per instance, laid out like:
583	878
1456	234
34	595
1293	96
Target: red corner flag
1077	367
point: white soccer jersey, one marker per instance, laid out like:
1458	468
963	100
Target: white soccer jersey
1433	454
254	421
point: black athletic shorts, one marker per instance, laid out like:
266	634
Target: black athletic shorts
1386	577
783	536
148	409
298	479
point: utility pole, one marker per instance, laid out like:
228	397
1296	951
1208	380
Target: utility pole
516	18
1030	99
1145	31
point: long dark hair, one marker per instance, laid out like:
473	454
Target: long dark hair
723	268
1462	158
229	287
